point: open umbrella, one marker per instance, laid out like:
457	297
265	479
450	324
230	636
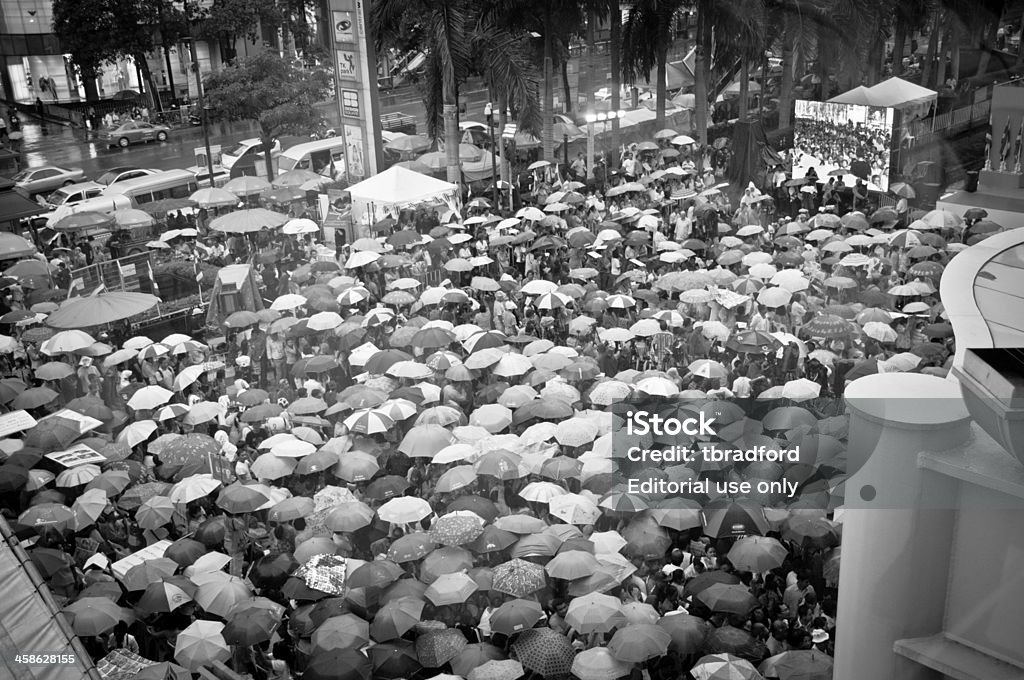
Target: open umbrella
201	644
639	642
544	651
101	308
724	667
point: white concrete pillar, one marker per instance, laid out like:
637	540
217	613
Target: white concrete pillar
895	562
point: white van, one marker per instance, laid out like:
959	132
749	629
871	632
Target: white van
73	193
160	185
314	156
100	204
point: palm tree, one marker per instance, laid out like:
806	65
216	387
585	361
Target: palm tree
445	25
646	39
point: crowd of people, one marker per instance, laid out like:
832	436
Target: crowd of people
403	466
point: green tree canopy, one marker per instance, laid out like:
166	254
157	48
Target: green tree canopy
280	96
98	32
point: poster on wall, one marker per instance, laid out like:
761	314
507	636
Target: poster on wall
350	103
848	140
346	64
354	151
343	31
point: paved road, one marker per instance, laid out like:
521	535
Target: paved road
57	145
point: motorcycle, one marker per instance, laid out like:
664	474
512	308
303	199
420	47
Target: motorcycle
323	131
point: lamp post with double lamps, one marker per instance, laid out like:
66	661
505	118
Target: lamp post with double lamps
489	114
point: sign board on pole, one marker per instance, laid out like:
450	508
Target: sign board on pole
356	87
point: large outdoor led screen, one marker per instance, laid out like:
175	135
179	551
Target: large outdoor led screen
830	137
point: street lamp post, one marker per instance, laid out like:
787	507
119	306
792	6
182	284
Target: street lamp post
202	106
565	151
489	113
591	119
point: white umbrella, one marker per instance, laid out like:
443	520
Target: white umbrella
288	302
149	397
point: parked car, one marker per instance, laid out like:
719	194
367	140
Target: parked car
132	132
73	193
121	173
46	178
251	150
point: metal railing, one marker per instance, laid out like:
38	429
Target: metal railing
122	274
957	120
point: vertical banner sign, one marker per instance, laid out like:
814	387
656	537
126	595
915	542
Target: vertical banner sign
356	88
354	151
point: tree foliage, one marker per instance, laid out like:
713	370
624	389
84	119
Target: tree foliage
98	32
280	96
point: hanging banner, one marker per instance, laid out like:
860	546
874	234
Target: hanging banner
354	151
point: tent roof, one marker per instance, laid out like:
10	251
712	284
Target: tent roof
398	185
897	92
894	92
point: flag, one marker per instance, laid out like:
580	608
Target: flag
102	288
334	169
152	280
75	285
199	276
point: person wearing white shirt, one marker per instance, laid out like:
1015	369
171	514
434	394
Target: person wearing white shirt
741	386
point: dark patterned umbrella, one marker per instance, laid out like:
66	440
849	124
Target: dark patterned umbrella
544	651
435	648
518	578
827	326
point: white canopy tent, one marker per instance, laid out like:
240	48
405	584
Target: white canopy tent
386	193
914	100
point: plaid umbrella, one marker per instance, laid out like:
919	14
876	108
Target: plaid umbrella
544	651
518	578
437	647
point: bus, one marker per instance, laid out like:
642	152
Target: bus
160	185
